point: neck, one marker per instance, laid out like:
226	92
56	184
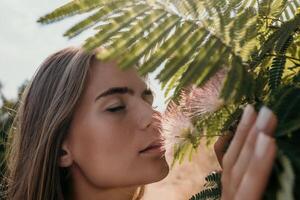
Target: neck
82	189
103	194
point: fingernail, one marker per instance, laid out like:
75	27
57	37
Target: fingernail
247	114
264	117
262	144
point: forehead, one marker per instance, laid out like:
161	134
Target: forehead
104	75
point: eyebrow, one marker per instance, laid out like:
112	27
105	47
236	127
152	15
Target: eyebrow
121	90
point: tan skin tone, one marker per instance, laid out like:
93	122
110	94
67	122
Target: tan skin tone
248	160
109	130
107	133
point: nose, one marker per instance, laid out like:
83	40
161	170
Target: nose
145	115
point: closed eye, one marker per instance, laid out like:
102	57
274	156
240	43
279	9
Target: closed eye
148	96
116	109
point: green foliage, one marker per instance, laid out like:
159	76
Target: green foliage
286	103
205	127
256	41
286	179
181	150
150	32
212	188
280	48
7	113
283	177
70	9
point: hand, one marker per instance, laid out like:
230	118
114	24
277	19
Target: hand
221	145
248	161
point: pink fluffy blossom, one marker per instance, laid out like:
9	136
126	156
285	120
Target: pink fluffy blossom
176	121
175	126
199	101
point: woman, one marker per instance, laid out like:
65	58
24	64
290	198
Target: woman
85	130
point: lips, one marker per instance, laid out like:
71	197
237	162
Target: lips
157	144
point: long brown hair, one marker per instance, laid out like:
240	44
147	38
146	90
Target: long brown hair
43	118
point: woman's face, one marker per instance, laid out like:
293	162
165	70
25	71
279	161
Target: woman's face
112	125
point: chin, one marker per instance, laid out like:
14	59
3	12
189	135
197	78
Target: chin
159	171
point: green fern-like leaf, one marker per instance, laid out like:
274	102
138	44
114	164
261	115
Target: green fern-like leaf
145	44
280	37
216	123
275	12
181	56
290	10
168	48
213	179
211	193
276	71
96	17
287	100
209	127
132	35
278	63
70	9
114	26
155	38
197	66
173	82
238	82
181	150
212	188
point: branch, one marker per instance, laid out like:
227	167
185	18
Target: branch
272	18
288	57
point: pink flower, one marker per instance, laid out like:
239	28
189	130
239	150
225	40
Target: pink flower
199	101
175	126
176	122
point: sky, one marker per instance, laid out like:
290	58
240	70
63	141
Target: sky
25	43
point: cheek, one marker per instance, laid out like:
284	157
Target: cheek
103	149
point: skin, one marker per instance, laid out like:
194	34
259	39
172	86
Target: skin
246	165
107	133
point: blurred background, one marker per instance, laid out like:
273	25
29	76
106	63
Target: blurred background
25	44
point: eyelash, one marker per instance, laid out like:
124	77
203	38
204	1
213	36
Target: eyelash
120	108
116	109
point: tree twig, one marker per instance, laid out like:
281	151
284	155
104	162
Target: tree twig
288	57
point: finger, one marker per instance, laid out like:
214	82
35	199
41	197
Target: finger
248	119
266	121
221	145
256	177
